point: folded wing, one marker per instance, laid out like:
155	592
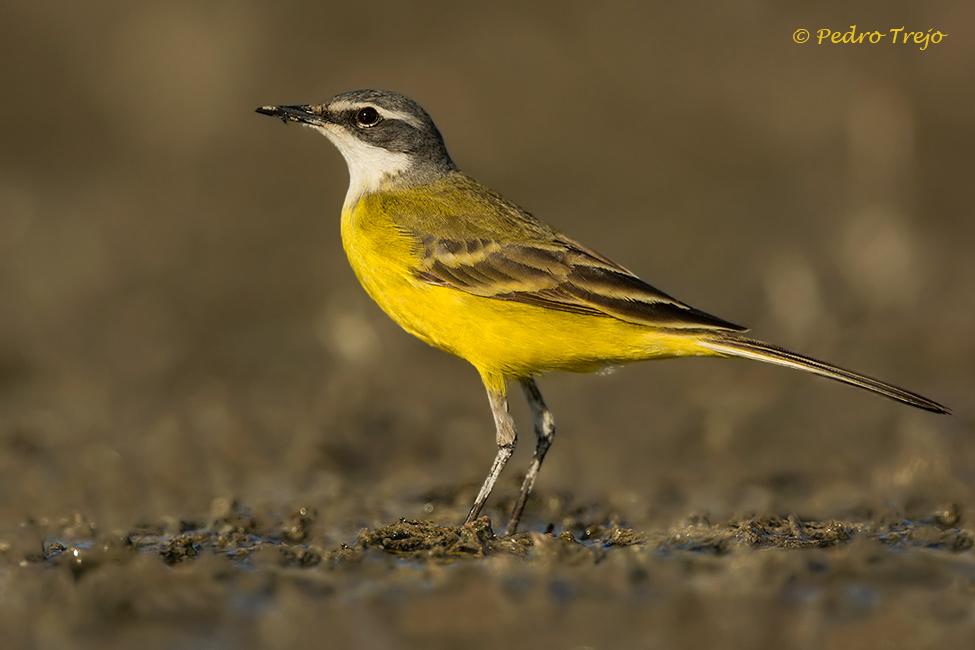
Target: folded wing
559	274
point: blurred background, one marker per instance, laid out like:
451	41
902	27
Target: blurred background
179	322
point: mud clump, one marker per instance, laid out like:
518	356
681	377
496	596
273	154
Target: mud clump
424	539
791	532
234	532
430	541
298	527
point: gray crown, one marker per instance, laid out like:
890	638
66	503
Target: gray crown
406	128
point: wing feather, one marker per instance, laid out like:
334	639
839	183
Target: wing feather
558	274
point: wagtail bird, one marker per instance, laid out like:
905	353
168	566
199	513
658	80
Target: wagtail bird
467	271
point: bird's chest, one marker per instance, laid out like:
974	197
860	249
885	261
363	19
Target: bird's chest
379	254
383	259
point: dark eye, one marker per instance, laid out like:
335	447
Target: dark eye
367	116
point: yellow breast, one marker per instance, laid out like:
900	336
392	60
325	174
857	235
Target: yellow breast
498	337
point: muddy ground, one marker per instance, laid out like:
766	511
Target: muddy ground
236	577
210	438
220	529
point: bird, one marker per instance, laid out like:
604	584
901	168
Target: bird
463	269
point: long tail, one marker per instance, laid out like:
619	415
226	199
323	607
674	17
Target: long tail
735	346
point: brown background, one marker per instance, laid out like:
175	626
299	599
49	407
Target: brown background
179	323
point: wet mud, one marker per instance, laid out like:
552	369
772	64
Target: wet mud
227	573
240	536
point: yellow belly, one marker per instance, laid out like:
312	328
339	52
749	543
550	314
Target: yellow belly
500	338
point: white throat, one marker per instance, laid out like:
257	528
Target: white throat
369	166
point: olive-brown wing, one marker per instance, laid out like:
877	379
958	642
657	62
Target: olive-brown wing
559	274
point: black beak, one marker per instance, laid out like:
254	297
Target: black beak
301	114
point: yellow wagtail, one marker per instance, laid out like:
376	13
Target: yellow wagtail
463	269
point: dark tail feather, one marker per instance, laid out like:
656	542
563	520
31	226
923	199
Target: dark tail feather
751	349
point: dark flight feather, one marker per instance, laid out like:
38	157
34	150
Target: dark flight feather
558	274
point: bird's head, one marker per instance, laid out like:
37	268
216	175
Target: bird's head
382	135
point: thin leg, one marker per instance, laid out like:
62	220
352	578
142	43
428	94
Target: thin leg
544	433
506	438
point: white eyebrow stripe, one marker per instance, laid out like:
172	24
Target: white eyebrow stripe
400	115
343	106
385	112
